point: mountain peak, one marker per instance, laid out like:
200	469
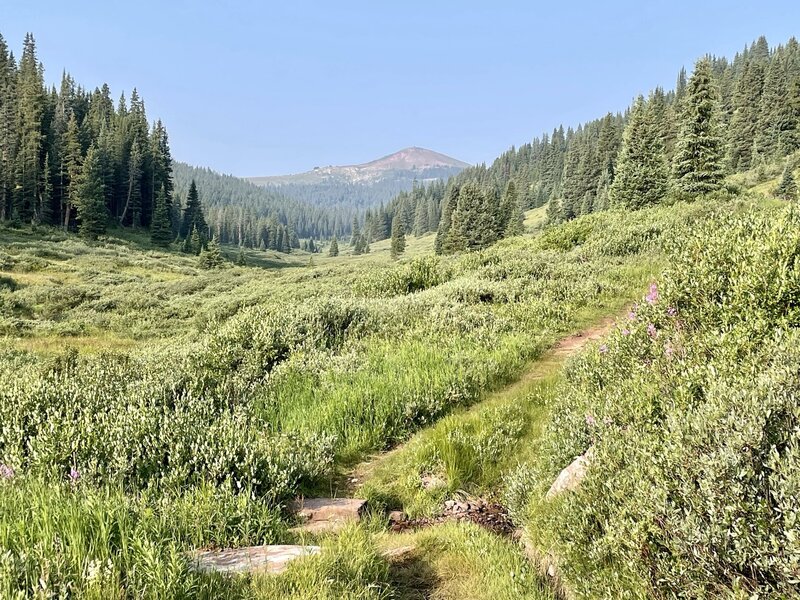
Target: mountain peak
409	163
413	158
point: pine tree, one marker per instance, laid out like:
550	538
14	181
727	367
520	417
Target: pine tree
30	114
698	167
211	256
744	121
641	174
285	248
91	206
554	211
398	245
441	245
132	213
787	188
361	242
241	260
73	160
473	221
355	231
196	242
421	217
193	217
334	249
516	216
160	227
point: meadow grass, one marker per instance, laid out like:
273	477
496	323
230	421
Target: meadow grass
248	385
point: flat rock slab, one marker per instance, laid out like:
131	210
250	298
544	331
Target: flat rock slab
329	509
320	527
252	559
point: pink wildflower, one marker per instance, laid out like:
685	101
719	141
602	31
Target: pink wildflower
651	330
74	475
603	349
652	296
6	472
626	332
591	421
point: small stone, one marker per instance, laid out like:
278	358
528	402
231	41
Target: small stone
430	482
397	516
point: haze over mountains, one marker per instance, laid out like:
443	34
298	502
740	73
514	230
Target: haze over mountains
366	184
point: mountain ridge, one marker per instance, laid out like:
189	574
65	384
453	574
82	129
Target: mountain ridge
422	163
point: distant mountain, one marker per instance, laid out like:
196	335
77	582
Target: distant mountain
366	184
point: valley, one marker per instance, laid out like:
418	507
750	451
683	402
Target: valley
570	373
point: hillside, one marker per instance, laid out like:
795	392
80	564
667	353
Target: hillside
367	184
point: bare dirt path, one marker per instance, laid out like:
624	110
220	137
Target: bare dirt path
348	482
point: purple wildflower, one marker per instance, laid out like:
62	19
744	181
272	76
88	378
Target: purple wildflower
651	330
74	475
6	472
669	351
603	349
590	420
626	332
652	296
672	311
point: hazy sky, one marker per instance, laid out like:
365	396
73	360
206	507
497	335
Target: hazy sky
259	88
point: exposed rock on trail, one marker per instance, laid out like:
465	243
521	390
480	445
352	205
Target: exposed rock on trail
321	515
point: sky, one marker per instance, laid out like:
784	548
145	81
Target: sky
266	88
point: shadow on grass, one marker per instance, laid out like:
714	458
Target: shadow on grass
412	578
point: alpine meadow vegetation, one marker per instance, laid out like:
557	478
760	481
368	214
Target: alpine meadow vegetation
182	354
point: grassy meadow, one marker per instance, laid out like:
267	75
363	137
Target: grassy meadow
149	407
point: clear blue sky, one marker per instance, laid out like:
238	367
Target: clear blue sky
259	88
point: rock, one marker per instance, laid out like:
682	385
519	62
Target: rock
252	559
570	478
396	516
329	509
320	527
430	482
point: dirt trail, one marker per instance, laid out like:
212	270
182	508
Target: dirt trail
349	482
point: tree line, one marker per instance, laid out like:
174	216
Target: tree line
74	159
729	116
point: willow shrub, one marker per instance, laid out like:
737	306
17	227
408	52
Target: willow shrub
691	410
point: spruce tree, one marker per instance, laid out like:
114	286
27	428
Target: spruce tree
161	227
473	221
441	245
195	242
698	166
355	231
334	249
513	216
641	173
92	215
241	260
193	217
211	256
787	188
398	244
73	160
